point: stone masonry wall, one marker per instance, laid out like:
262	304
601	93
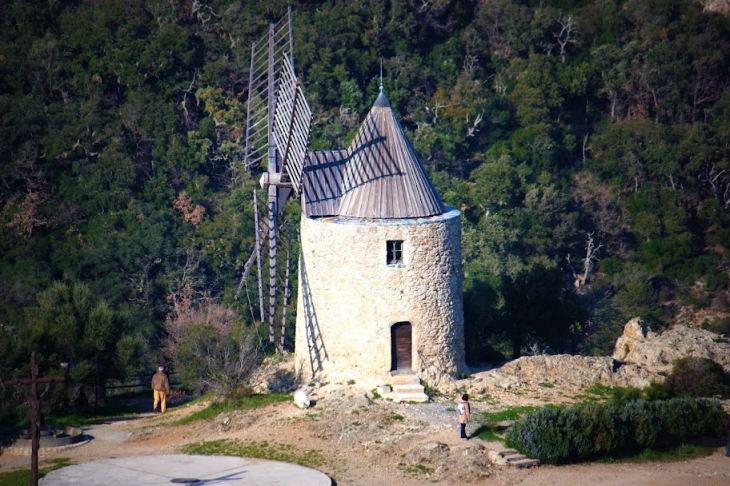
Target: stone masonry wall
349	297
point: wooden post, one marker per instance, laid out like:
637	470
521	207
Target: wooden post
273	234
273	190
257	224
287	294
35	402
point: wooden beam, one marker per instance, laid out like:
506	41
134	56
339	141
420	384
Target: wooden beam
257	224
273	241
287	294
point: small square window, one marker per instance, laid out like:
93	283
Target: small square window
394	250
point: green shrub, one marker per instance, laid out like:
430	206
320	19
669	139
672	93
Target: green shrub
716	281
611	266
585	432
492	429
645	420
683	418
720	327
621	394
697	377
657	391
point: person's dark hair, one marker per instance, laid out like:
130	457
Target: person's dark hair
465	397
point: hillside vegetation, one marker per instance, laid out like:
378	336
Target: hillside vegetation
587	144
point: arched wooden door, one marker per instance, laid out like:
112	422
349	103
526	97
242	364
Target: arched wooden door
401	338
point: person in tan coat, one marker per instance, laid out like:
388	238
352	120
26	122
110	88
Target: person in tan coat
464	414
727	427
160	389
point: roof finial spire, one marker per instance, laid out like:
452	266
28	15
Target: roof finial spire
381	101
381	75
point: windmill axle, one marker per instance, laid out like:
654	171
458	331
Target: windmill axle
272	179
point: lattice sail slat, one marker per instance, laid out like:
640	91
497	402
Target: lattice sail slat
268	55
291	125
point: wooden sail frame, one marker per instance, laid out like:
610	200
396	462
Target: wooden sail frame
277	139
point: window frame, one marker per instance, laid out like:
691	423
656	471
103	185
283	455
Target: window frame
394	252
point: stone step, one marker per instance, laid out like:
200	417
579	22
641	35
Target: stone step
411	397
510	457
411	394
523	463
410	391
408	388
405	380
506	452
514	457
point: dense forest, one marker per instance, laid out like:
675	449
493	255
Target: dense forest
587	144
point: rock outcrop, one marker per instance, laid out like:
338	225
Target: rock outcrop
657	352
718	6
640	357
566	369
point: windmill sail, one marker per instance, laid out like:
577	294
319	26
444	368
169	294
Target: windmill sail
277	137
291	125
267	58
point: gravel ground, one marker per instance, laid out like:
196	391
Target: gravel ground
363	442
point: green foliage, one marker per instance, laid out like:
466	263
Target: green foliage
657	391
599	390
623	395
616	127
253	401
665	453
539	309
215	355
721	327
592	431
697	377
492	426
257	450
21	477
104	413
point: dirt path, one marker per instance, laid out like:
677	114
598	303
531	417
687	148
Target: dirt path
375	443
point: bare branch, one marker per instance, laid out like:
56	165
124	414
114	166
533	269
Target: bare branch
566	36
588	263
590	258
471	130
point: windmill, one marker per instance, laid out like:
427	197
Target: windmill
277	137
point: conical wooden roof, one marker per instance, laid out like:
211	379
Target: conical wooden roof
322	182
384	177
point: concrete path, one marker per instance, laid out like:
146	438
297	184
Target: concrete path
184	469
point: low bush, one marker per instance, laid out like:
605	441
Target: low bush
492	427
620	394
690	377
592	431
697	377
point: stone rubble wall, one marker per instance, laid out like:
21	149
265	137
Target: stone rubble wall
570	370
640	357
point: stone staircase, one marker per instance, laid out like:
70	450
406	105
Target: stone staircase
408	388
510	457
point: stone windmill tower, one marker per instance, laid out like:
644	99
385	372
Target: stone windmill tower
380	279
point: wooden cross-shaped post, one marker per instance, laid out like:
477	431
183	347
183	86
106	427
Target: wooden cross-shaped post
35	410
